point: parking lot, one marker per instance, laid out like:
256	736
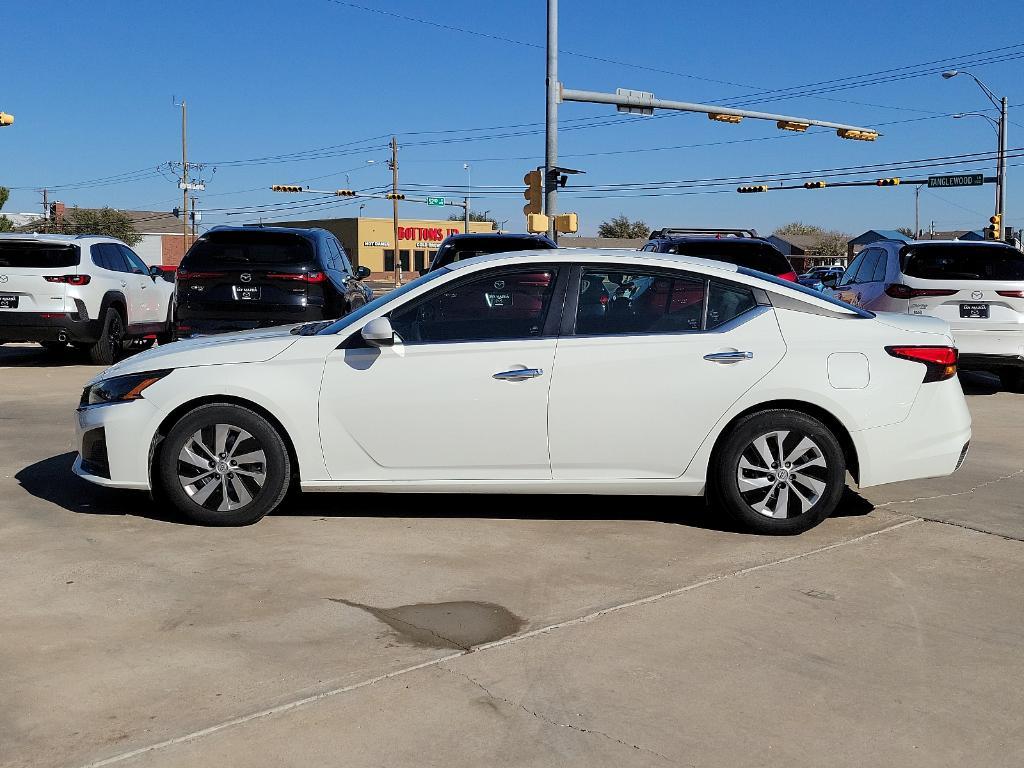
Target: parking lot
364	630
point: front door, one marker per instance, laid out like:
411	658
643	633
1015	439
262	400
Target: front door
654	361
462	395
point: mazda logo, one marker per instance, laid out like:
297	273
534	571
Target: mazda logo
976	294
3	278
245	277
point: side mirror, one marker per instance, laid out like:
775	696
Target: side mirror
378	332
154	272
362	273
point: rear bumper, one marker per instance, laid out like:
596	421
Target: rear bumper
986	349
978	362
47	326
189	322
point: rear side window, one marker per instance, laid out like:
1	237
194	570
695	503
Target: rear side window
962	262
727	302
734	250
249	249
109	256
38	255
613	303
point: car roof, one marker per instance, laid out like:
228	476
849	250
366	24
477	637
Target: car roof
502	235
301	231
41	237
599	255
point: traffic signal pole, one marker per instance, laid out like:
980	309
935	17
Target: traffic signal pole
394	208
184	180
1001	172
551	121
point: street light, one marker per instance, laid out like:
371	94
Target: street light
361	206
1001	105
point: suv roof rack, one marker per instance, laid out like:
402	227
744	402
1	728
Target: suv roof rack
673	231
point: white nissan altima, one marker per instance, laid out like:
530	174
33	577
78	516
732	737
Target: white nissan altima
571	371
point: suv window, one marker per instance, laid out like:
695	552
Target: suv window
850	275
217	250
135	264
878	275
505	304
37	255
614	302
341	258
866	271
109	256
463	248
962	262
743	252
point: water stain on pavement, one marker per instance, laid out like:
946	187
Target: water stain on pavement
460	624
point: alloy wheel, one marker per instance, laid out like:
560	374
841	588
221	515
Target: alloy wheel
782	474
222	467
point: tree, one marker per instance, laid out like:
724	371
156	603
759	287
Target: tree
829	244
473	216
798	228
907	231
6	225
91	221
621	226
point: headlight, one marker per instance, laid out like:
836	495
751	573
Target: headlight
120	389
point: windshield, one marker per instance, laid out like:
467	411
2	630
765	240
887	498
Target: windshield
248	249
953	261
380	301
807	291
38	255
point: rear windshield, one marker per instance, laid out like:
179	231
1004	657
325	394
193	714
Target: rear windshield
470	248
248	249
752	255
962	262
38	255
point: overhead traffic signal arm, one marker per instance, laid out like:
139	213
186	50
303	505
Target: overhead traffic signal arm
755	188
287	188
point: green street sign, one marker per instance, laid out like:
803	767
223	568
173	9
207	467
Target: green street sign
957	180
435	201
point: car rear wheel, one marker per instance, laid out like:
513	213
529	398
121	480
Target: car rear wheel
224	465
109	345
778	472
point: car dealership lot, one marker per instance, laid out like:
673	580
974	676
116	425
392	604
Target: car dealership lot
337	632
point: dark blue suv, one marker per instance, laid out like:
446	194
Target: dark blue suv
236	278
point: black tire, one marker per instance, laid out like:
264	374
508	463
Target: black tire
168	335
54	347
109	345
217	494
1012	379
805	498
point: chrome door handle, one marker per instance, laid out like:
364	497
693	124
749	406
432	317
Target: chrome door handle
519	374
729	357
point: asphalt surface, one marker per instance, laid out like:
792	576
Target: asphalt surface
455	631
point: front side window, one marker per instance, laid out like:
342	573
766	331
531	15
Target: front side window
613	302
850	276
501	305
135	264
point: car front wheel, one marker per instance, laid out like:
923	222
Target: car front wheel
778	472
223	464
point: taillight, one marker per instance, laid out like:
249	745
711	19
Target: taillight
306	277
791	276
1012	294
939	362
900	291
68	279
184	274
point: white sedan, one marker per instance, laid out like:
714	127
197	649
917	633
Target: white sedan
571	371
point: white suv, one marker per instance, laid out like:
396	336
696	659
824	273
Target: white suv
93	292
976	287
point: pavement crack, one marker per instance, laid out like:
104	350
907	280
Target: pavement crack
555	723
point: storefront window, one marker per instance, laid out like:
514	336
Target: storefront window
418	261
404	256
389	260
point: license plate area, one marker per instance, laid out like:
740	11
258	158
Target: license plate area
974	311
8	301
246	292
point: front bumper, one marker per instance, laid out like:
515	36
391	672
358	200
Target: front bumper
48	326
108	438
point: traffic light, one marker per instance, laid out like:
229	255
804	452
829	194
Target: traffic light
887	182
344	193
567	222
6	119
814	185
176	212
537	222
393	196
286	188
856	134
724	118
995	228
533	194
790	125
758	188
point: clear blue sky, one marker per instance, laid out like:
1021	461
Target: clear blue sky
91	86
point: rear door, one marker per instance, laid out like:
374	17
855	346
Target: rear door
642	377
25	266
147	297
109	256
847	289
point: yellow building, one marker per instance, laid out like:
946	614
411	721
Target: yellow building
369	242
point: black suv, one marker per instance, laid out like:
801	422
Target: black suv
235	278
741	247
459	247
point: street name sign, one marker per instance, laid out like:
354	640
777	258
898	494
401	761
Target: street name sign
957	180
435	201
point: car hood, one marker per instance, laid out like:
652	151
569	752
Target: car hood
914	323
253	346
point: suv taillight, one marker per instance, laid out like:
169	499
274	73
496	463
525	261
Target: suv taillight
306	277
939	362
791	276
69	279
1012	294
184	274
900	291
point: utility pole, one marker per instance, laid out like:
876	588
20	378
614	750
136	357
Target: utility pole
184	180
46	205
1001	188
917	211
551	122
394	209
469	192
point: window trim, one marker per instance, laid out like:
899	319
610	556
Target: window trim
552	321
568	324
